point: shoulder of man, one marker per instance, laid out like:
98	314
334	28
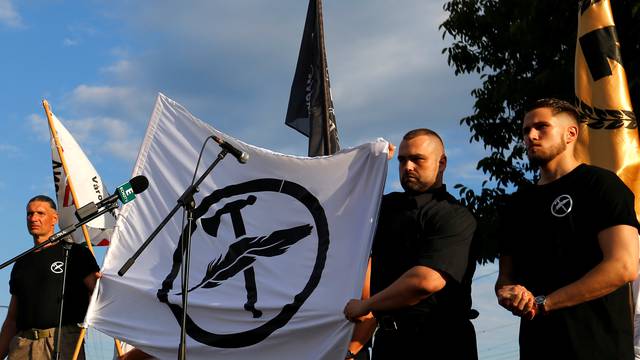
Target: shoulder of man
450	209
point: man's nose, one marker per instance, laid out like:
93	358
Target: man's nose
408	166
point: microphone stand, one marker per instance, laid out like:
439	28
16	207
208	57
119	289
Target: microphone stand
186	202
63	235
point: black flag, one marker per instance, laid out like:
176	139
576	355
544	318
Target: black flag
310	108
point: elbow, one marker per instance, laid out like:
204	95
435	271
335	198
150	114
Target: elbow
431	286
625	270
629	271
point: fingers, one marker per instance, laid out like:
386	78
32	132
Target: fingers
355	311
392	150
517	299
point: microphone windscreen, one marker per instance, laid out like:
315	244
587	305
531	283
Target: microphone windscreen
139	184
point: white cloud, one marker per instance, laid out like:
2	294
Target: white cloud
120	68
127	103
9	150
70	42
39	125
100	95
9	16
98	136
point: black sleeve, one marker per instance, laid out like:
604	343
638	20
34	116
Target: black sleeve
615	202
507	223
12	280
446	240
84	261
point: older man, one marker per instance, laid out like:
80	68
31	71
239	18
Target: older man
421	273
29	330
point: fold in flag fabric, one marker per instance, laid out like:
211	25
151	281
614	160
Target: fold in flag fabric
310	109
82	180
609	135
279	245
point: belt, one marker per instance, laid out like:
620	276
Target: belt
414	322
391	323
35	334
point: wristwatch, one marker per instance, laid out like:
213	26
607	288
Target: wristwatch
540	301
350	355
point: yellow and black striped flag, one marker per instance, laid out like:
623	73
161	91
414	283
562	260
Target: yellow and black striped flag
608	136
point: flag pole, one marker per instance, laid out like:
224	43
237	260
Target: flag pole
85	232
54	134
325	85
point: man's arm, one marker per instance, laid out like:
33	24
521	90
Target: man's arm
365	328
413	286
619	265
90	281
9	329
511	296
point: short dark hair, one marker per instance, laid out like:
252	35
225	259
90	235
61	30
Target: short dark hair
557	106
421	132
44	198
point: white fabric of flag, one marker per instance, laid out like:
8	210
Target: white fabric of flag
279	245
87	186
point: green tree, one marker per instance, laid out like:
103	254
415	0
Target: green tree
523	51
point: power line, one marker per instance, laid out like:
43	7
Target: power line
498	327
484	275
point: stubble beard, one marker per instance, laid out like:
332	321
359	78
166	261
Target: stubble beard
412	184
543	157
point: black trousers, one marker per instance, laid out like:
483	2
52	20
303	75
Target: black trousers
441	341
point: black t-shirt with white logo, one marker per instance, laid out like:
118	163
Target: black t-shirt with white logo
36	281
551	232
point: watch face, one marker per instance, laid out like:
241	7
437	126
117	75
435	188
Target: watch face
540	299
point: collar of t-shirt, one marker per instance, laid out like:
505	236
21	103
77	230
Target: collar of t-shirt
419	199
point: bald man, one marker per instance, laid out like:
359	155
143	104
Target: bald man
569	249
30	328
420	268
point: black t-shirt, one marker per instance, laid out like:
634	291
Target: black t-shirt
429	229
36	281
551	232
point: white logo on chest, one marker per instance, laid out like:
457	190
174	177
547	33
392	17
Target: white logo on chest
56	267
562	205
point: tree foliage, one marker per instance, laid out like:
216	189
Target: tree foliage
523	51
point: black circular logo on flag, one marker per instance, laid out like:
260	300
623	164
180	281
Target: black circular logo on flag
243	253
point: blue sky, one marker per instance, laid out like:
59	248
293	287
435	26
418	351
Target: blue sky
100	65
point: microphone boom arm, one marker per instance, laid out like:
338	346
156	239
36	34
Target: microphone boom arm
186	200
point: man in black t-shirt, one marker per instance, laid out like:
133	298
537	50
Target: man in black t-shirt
569	249
420	263
29	330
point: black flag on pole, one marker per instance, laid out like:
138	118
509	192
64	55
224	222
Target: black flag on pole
310	108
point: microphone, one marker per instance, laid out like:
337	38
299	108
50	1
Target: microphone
125	193
237	153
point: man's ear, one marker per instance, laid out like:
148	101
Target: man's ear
571	134
442	163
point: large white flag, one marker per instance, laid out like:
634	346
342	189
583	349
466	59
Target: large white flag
77	183
279	245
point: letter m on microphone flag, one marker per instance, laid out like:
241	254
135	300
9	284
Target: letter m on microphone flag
310	108
77	183
278	247
608	134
